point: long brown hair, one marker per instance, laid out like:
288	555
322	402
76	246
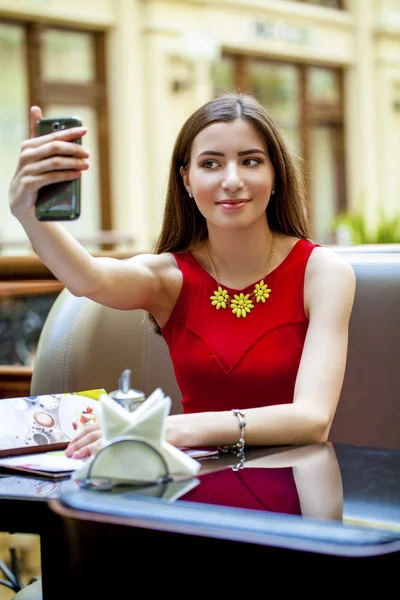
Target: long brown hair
184	228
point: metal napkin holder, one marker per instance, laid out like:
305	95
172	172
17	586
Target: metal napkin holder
104	483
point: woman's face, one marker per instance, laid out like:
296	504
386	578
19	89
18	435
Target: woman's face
230	174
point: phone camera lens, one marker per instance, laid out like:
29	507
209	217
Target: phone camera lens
56	126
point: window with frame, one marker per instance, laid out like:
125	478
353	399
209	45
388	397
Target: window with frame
306	102
62	70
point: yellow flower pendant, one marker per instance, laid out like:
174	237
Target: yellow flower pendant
261	292
241	304
220	298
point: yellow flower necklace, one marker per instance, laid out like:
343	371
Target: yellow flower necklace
241	304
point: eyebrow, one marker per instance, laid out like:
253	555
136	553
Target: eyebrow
244	153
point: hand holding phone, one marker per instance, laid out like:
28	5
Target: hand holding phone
59	201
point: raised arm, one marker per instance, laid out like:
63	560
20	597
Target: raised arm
124	284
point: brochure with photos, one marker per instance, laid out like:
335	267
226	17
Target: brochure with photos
35	431
38	424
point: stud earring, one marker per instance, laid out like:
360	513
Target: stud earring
273	192
190	195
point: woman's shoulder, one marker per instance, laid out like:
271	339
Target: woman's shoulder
329	274
325	261
161	267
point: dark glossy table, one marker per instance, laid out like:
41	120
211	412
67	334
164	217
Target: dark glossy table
314	519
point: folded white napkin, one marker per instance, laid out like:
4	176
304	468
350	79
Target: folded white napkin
130	461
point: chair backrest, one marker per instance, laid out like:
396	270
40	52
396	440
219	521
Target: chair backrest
369	407
84	345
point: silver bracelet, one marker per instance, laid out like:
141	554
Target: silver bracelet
238	448
242	424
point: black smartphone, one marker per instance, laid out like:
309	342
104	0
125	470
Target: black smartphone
59	201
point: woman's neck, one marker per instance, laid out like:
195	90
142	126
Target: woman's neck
239	257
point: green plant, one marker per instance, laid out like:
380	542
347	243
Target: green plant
387	230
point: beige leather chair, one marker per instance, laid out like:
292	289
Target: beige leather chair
84	345
33	591
369	407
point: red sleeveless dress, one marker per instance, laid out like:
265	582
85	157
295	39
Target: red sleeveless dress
223	362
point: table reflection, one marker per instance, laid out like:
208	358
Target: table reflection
304	481
14	486
298	481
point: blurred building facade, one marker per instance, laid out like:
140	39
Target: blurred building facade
327	71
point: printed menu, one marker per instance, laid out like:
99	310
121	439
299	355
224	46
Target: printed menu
38	424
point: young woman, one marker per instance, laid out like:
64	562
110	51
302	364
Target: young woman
255	314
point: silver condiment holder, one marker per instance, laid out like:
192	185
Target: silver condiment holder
128	398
